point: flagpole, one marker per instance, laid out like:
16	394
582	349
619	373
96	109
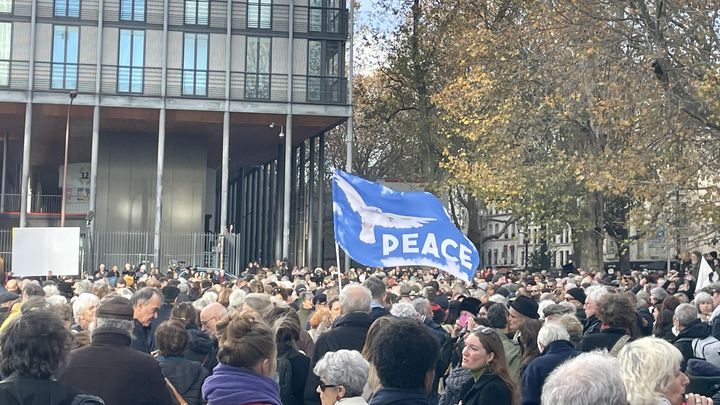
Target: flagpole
337	258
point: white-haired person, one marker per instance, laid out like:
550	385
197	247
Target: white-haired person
650	369
343	375
84	311
554	343
704	304
595	380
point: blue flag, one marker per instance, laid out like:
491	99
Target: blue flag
380	227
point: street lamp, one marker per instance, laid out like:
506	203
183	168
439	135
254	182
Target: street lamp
282	129
72	95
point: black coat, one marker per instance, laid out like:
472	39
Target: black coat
118	374
591	325
186	376
684	341
201	347
300	365
605	339
144	340
348	333
489	389
16	390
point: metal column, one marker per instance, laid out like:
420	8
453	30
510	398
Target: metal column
4	174
310	204
159	185
225	173
321	197
27	133
300	209
288	134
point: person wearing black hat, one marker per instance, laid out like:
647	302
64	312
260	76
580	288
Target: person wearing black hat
521	309
170	294
109	367
576	296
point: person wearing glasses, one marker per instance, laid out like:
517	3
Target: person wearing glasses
484	356
343	375
248	361
577	297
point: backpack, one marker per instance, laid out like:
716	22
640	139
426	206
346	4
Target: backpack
707	349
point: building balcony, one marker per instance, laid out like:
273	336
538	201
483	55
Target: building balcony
43	204
181	83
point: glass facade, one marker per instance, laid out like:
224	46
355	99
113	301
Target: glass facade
131	55
132	10
325	71
257	63
259	14
197	12
64	70
5	43
195	64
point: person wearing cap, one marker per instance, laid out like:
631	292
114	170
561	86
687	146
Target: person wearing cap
576	296
109	367
521	309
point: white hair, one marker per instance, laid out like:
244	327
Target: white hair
551	332
598	375
50	290
542	305
82	303
648	366
344	367
56	300
83	286
237	298
498	299
200	303
421	306
404	310
183	287
210	296
125	292
686	314
355	298
595	292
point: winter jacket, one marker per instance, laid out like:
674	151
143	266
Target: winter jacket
684	341
144	340
489	389
592	325
186	376
459	381
605	339
537	371
348	333
17	390
118	374
201	347
239	386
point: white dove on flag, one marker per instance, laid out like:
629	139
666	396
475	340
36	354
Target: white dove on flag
372	216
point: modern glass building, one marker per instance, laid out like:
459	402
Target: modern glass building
170	137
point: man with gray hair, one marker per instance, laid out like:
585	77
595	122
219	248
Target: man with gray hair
592	295
109	368
146	303
693	334
588	379
348	332
84	311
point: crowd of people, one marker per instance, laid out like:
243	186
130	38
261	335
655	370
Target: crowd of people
282	335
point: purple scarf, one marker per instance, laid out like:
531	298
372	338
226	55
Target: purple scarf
230	385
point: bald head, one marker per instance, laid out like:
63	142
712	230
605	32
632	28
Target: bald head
210	315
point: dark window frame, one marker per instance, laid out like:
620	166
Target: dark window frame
131	66
257	75
324	10
195	70
67	9
260	5
9	60
65	62
325	81
197	8
133	11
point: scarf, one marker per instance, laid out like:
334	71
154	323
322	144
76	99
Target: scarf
230	385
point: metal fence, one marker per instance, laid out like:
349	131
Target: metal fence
137	247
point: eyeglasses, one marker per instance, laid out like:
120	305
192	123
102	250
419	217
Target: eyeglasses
323	386
205	322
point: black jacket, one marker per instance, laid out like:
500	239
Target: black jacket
488	389
300	365
605	339
395	396
592	325
186	376
684	341
348	333
17	390
377	312
537	371
144	340
118	374
200	347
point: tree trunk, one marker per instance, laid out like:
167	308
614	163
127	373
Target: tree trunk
589	238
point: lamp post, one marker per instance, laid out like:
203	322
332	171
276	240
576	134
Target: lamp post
72	95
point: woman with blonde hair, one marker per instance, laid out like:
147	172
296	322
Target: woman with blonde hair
704	304
650	369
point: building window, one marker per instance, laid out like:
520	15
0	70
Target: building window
259	14
132	10
131	57
66	40
325	70
325	16
257	66
197	12
195	64
67	8
5	42
6	6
